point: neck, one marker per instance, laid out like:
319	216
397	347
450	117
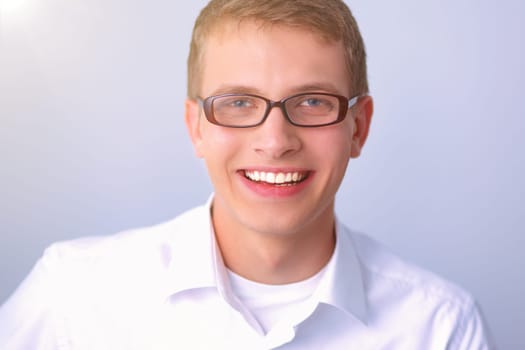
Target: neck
276	258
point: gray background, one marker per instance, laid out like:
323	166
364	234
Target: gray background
92	138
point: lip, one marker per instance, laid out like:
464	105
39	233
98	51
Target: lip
266	190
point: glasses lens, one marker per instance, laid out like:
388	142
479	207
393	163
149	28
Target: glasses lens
238	110
313	109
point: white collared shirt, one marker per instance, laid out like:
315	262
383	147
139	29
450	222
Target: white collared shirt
166	287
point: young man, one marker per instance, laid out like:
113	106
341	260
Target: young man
278	104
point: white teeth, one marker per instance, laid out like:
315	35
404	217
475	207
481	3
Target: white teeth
274	178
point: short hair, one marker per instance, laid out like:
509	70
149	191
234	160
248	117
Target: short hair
332	20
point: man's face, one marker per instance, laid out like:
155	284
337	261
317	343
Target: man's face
275	62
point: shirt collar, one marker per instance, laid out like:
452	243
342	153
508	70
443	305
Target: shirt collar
342	284
192	251
196	262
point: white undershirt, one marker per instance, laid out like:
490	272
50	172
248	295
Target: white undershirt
275	304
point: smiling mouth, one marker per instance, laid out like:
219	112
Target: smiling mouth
279	178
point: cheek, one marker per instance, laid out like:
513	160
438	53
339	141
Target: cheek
335	144
218	144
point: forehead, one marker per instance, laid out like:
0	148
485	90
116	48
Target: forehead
271	57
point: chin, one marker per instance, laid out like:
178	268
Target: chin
273	224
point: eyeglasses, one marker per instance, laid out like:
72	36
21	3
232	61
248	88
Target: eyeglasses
305	109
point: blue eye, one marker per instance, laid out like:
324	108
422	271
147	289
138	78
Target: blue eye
318	103
240	103
312	102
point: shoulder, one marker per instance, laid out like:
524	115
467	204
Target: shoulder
411	307
108	273
399	291
132	243
407	299
124	258
383	266
86	284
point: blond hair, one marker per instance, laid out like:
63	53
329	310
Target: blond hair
330	19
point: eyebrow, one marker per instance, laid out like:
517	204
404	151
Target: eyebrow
236	89
246	89
317	86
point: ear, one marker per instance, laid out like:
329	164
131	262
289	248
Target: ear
362	119
192	119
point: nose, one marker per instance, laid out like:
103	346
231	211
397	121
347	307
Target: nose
276	137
